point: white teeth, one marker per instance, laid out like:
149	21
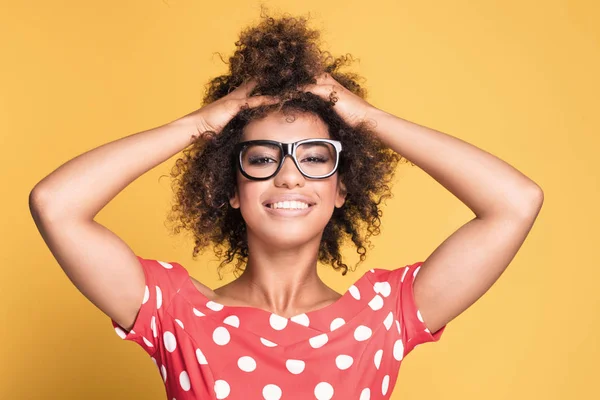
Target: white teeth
291	205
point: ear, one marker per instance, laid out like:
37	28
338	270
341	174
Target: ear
340	197
234	201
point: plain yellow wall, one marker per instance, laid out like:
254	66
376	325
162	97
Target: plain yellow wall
516	78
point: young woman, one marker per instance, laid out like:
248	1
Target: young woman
287	160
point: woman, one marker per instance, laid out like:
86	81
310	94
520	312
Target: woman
287	160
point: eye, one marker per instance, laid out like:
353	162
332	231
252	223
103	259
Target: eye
258	160
315	159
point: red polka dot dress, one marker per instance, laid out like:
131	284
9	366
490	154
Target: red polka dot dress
350	349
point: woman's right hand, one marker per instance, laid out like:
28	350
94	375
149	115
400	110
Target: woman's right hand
214	116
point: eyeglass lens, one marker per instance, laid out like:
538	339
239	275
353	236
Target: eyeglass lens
314	159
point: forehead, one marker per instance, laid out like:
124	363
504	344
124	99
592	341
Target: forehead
286	128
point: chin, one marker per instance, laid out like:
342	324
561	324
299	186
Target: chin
286	237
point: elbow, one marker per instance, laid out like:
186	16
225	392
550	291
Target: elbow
532	202
38	202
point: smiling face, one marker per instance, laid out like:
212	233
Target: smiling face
276	226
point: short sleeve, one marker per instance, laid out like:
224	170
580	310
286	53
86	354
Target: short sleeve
413	329
163	281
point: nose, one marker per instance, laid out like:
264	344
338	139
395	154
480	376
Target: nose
289	175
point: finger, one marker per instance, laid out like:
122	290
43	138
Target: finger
255	101
323	91
245	88
325	78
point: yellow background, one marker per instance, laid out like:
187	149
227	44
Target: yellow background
517	78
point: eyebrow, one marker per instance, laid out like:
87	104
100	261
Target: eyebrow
311	144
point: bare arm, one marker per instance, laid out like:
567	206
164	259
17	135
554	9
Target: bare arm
65	202
505	202
63	205
81	187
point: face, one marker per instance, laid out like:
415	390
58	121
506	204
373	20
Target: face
287	228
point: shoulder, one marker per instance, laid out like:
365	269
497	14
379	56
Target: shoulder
395	275
203	289
166	276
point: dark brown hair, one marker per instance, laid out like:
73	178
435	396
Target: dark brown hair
280	54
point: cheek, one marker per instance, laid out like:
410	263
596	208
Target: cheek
249	194
327	191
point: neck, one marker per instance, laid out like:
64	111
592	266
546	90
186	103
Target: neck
282	280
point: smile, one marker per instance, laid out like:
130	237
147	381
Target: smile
290	210
289	205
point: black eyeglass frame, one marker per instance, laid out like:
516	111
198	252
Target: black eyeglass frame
287	149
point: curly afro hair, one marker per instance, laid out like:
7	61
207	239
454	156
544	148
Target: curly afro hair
280	54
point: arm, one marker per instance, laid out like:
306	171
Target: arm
64	204
81	187
505	202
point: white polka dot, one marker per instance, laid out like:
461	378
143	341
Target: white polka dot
365	394
385	384
376	302
267	343
232	320
323	391
362	333
154	361
165	264
184	381
148	343
153	326
336	323
377	358
398	326
222	389
388	321
404	274
343	361
398	350
354	292
163	372
416	271
213	305
170	341
179	323
383	287
372	270
271	392
158	298
318	341
146	295
120	332
221	336
277	322
200	357
198	313
419	316
247	364
301	319
295	366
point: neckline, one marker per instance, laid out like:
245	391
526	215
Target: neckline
252	309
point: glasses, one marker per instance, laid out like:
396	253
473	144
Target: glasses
262	159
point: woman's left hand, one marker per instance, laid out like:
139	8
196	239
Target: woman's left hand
350	107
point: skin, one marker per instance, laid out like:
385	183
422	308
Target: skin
281	274
463	267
